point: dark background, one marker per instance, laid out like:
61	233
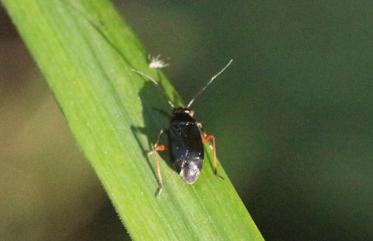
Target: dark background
292	116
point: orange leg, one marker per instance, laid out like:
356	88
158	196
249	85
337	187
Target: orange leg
155	149
211	140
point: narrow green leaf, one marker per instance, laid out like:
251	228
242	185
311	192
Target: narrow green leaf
86	54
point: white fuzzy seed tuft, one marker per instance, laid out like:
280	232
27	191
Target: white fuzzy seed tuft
157	63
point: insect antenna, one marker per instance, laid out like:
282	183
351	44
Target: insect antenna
208	83
157	85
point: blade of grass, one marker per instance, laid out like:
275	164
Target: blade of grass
86	54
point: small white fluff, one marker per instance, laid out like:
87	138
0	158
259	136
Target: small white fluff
157	63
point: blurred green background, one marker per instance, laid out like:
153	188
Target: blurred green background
293	118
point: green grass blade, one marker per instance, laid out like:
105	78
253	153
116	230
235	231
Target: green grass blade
86	54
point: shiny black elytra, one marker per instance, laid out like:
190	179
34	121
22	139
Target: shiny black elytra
185	141
185	138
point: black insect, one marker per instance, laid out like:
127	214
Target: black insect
185	138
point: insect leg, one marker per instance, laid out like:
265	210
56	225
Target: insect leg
211	140
155	149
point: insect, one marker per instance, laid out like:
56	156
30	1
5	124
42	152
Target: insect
185	137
